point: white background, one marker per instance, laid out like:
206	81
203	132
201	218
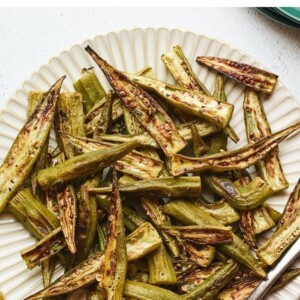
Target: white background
29	37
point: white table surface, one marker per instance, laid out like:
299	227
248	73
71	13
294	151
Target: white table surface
30	37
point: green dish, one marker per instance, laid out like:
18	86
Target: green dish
293	13
276	16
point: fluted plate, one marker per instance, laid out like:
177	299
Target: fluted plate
131	50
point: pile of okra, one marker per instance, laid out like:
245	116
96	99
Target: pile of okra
119	202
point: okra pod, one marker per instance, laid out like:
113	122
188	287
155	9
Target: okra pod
101	238
153	208
34	98
257	127
273	213
142	241
82	165
258	79
48	267
144	291
202	255
86	220
199	146
220	210
44	249
27	146
112	274
159	187
201	234
284	279
82	275
272	250
134	163
189	214
148	112
211	286
161	270
33	215
246	225
138	271
191	102
90	88
292	206
231	160
241	197
261	220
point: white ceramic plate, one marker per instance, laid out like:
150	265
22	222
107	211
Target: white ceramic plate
131	50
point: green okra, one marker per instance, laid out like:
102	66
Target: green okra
273	213
246	224
33	215
101	238
44	249
142	241
191	102
34	98
231	160
159	187
134	163
189	214
240	197
70	119
48	267
292	206
202	255
105	120
220	210
82	165
81	275
27	146
148	112
112	273
144	291
253	77
86	226
201	234
90	88
199	147
181	70
261	220
138	271
211	286
286	277
161	270
258	127
153	208
274	248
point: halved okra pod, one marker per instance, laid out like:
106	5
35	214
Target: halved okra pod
27	146
134	163
257	128
201	105
112	274
231	160
82	165
159	187
211	286
189	214
253	77
148	112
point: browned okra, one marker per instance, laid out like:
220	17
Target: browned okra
148	112
246	225
261	219
44	249
153	208
27	146
292	206
251	76
201	105
231	160
274	248
113	271
159	187
202	255
134	163
82	165
257	128
245	197
90	88
284	279
189	214
211	286
201	234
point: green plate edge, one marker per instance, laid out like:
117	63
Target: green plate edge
293	13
